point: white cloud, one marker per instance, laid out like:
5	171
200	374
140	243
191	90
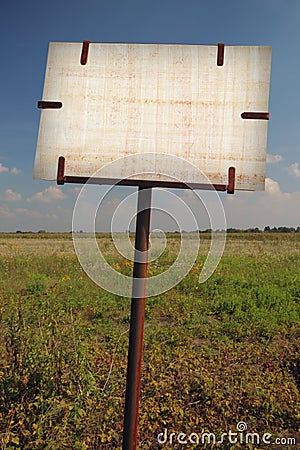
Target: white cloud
15	171
258	209
273	159
294	169
272	186
3	168
5	212
11	196
49	195
75	190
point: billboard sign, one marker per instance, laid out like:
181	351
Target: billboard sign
205	104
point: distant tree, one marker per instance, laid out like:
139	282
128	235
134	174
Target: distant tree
233	230
286	230
253	230
298	229
267	229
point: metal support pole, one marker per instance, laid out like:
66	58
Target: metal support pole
137	320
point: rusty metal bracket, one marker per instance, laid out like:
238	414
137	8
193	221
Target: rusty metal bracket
62	179
256	115
42	104
84	52
220	54
231	180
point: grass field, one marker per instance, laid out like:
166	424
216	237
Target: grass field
215	354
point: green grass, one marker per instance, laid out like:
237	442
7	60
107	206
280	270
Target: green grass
214	354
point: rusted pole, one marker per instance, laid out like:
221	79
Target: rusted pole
137	320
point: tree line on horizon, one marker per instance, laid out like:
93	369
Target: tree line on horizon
267	229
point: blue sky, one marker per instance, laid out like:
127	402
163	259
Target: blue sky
26	28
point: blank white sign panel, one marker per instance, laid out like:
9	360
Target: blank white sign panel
157	99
